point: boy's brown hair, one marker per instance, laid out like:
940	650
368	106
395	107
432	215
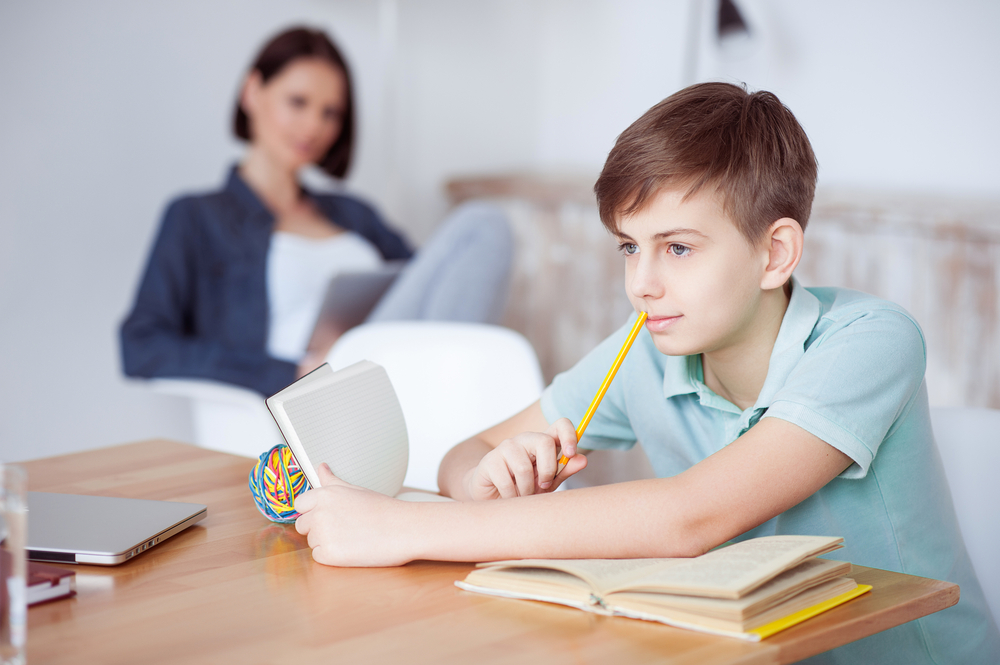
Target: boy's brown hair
747	146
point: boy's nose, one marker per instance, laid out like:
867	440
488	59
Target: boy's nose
644	281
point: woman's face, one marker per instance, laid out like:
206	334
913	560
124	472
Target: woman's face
298	113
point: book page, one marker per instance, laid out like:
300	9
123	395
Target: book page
599	574
351	420
727	572
735	570
790	583
534	583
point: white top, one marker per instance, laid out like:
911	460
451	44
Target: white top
298	272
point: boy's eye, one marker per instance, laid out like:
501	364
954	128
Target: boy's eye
678	250
297	101
628	248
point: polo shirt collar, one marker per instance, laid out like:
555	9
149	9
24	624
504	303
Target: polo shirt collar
797	326
683	375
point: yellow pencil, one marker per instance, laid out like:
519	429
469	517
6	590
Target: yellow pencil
580	428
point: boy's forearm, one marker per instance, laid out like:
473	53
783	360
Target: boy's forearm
770	469
627	520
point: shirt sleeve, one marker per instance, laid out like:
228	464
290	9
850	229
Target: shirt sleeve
157	339
571	392
854	384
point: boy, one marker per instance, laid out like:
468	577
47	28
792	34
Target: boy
764	407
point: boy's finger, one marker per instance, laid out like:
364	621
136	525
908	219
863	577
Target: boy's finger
496	472
564	433
523	471
546	461
576	464
505	485
303	504
326	476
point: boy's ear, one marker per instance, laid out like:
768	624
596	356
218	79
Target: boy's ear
784	244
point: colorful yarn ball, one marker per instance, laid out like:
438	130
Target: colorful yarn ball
275	481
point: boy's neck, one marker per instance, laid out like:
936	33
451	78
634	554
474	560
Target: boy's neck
737	373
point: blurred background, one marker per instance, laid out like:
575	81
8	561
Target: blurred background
109	108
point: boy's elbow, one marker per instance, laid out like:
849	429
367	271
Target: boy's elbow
693	531
674	541
691	542
704	531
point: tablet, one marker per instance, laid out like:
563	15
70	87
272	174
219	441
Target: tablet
351	296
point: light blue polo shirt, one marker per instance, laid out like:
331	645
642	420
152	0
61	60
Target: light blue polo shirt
849	368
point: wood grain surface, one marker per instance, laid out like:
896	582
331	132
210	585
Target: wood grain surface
238	589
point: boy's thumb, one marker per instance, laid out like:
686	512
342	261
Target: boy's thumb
326	476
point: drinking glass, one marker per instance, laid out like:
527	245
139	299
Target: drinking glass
13	566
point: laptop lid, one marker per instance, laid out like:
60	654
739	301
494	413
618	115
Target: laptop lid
102	530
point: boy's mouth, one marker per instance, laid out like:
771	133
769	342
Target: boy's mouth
660	323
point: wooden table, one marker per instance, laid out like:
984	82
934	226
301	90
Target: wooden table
238	589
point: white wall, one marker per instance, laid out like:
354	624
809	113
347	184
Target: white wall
110	108
893	94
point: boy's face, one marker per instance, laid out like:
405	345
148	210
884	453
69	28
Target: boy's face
689	268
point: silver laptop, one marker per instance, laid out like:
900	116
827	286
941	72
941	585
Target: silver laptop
102	530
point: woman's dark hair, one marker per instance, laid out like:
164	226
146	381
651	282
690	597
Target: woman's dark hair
291	45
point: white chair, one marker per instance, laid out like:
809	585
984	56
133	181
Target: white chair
969	442
453	380
226	418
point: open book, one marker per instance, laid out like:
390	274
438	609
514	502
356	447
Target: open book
351	420
750	590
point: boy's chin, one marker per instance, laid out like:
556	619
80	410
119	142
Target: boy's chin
674	347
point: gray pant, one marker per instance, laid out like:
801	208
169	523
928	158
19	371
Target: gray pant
461	274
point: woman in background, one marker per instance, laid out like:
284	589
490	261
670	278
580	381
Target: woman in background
236	277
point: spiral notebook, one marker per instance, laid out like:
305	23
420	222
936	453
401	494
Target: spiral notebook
350	419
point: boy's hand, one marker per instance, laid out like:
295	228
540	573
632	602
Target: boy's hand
526	464
346	525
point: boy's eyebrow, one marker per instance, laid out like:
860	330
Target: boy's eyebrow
663	235
679	232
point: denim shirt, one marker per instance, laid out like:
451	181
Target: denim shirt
201	309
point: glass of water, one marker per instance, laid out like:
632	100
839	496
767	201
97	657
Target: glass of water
13	565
